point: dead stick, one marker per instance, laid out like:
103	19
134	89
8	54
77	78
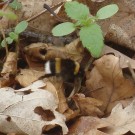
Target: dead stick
42	12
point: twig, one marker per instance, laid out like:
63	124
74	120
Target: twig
53	13
42	12
35	16
131	70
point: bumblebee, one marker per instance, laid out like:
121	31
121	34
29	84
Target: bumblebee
66	68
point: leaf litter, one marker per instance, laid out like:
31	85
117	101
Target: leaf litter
105	104
107	83
23	119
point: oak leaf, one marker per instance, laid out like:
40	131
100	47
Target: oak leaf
10	66
88	125
121	120
17	112
87	105
27	76
107	83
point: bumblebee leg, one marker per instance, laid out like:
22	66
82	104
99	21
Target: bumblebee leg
77	86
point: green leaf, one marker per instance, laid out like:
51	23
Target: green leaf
63	29
86	22
9	15
15	5
92	38
3	43
107	11
77	10
13	35
20	27
8	40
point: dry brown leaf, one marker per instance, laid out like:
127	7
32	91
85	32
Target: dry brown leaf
124	102
107	83
70	114
35	55
30	8
27	76
58	84
95	132
122	32
88	106
56	87
9	70
36	51
75	50
33	87
43	23
51	88
86	125
122	58
57	90
97	0
44	52
13	134
10	66
121	120
43	84
6	81
17	112
119	28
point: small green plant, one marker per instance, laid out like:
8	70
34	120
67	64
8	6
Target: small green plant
8	14
14	36
15	5
11	16
90	32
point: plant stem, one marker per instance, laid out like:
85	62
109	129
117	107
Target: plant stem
17	46
1	27
4	38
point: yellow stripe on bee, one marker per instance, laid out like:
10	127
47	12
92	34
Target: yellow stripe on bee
77	67
58	65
